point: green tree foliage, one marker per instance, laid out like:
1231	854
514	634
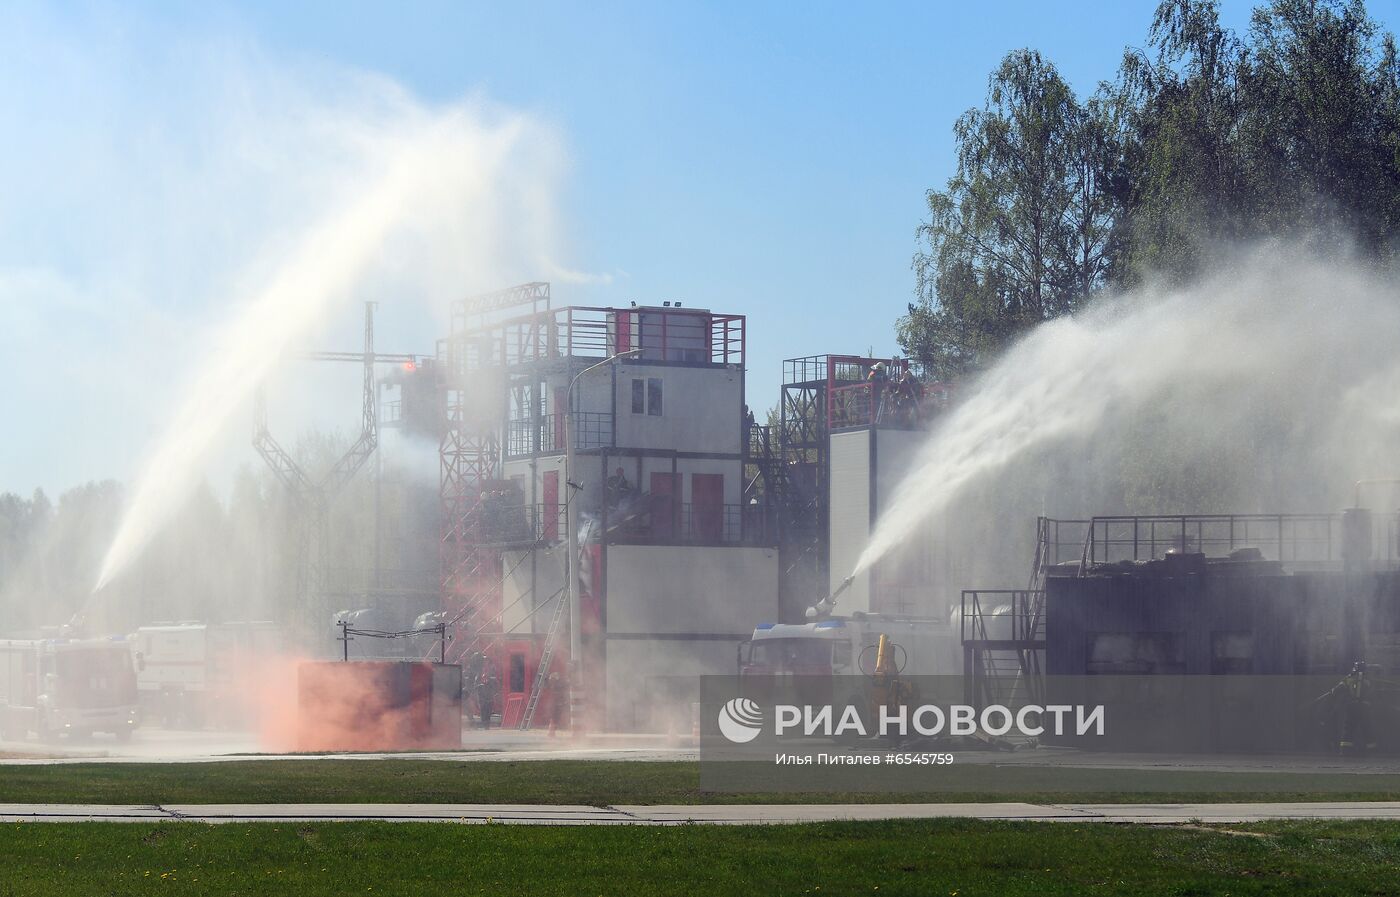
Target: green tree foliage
1023	231
1320	122
1204	140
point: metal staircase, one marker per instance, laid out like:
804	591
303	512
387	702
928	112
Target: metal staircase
546	657
1004	630
1004	633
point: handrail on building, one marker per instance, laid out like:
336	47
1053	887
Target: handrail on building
1286	538
667	334
1016	608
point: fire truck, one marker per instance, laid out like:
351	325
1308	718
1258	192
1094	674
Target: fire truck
73	687
846	646
189	673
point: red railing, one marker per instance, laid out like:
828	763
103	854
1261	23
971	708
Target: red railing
727	339
851	399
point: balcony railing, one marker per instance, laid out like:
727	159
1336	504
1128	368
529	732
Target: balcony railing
500	523
664	522
545	435
657	521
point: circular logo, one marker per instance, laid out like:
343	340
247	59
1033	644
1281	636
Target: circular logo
740	720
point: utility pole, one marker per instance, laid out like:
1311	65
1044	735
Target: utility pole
572	566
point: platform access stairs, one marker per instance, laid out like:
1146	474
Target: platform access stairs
1003	630
792	515
546	659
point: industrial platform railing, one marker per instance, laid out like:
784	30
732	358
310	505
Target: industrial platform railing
1287	538
1003	637
860	405
1002	616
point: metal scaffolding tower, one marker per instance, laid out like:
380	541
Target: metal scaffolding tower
801	480
472	368
312	500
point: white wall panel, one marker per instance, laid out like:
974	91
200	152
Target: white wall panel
690	589
850	516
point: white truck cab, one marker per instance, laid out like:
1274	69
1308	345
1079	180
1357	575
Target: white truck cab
844	646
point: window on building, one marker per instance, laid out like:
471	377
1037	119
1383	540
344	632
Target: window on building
653	396
517	673
639	397
1231	652
1135	652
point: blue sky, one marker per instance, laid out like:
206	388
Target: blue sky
768	159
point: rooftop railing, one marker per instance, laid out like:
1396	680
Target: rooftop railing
902	408
676	335
1297	539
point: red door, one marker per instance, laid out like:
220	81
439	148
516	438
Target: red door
549	526
663	491
707	506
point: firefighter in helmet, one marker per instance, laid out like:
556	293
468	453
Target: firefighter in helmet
618	488
488	684
878	378
1350	703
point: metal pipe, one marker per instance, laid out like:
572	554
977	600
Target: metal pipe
828	604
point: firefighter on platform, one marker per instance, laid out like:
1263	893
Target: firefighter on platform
908	394
618	488
878	379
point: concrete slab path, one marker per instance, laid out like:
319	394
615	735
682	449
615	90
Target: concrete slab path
711	814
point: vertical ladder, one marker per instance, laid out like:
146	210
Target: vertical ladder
542	671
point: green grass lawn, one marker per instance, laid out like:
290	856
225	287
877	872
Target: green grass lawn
601	783
958	859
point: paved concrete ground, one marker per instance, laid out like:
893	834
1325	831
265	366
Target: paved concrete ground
507	745
715	814
504	745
